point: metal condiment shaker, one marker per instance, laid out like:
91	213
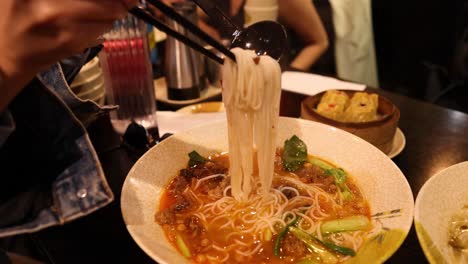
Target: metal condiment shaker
182	64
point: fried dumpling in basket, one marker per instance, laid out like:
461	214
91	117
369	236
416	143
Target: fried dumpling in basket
333	104
362	108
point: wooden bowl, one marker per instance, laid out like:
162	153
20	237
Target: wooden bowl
379	132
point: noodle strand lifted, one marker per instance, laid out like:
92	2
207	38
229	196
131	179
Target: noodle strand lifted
259	203
251	95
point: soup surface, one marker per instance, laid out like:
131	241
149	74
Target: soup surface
314	213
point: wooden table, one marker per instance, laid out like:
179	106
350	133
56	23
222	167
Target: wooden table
435	139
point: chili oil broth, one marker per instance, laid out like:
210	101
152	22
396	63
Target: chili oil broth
357	205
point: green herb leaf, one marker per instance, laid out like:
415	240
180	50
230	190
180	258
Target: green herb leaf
196	158
294	153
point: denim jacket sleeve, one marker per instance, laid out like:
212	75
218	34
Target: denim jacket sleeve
50	171
69	69
7	125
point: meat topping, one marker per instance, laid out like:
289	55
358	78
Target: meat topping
165	217
292	246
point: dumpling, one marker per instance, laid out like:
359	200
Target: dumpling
333	104
362	108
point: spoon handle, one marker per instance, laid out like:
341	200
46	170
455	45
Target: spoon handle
218	16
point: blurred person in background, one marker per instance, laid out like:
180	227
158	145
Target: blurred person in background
50	171
300	16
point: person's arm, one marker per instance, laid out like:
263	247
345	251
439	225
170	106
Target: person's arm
301	16
209	30
36	34
203	25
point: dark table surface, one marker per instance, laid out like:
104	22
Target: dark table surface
436	138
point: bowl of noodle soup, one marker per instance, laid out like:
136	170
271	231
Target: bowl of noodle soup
258	188
383	184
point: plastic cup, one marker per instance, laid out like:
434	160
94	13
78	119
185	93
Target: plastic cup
128	75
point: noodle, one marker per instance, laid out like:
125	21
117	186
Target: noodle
207	178
251	94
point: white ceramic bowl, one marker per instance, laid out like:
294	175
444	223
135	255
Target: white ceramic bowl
385	186
439	199
88	85
93	91
90	69
100	99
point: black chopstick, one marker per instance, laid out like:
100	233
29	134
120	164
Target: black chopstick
218	16
145	16
191	27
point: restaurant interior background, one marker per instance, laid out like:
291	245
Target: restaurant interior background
421	51
421	48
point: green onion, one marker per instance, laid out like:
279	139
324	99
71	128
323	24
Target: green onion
182	246
350	223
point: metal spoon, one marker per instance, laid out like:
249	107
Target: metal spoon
264	37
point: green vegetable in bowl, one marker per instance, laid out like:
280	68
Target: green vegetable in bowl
279	239
340	181
350	223
320	163
182	246
339	175
294	153
308	239
196	158
316	247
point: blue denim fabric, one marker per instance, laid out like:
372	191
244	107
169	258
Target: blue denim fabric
66	180
7	125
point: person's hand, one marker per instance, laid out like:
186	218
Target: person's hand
38	33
